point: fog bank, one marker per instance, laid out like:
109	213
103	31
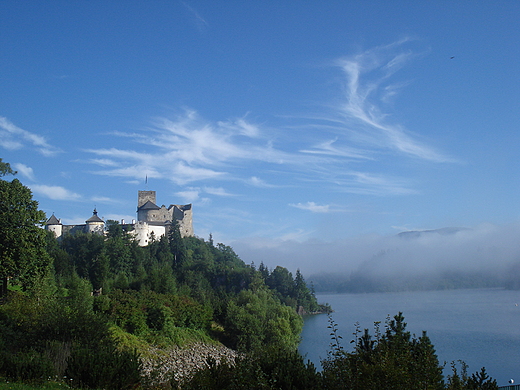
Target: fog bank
484	249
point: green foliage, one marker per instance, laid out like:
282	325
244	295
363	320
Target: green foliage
291	291
255	319
23	243
477	381
104	367
28	365
172	292
5	169
393	360
49	385
269	368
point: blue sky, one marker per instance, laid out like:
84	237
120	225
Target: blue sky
287	124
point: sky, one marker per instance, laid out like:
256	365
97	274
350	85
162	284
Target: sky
298	130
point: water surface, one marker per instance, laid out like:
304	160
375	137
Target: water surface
481	326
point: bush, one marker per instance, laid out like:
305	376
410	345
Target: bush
26	366
104	367
270	368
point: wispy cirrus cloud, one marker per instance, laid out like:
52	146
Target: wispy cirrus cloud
367	88
190	149
13	137
318	148
200	22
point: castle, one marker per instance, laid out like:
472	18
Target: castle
152	220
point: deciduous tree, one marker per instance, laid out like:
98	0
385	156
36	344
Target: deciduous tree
22	239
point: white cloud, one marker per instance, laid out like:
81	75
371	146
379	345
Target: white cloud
313	207
188	196
103	199
24	170
328	148
217	191
257	182
54	192
200	22
13	138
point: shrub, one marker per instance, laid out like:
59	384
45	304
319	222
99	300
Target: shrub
26	366
104	367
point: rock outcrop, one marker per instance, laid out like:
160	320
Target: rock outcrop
180	363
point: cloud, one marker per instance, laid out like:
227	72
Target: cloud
311	206
318	149
200	22
14	138
328	148
103	199
191	150
257	182
24	170
189	196
373	184
219	191
367	88
54	192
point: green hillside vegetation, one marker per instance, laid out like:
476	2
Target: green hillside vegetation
87	306
86	311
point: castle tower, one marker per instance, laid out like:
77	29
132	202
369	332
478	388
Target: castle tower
54	225
95	224
159	219
145	196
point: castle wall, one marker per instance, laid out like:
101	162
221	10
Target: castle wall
183	214
161	215
143	232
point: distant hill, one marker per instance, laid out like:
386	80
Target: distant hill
446	231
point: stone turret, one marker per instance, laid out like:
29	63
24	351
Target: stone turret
54	225
95	224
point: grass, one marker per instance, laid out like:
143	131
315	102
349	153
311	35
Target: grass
5	385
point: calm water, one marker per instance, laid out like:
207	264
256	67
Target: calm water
481	327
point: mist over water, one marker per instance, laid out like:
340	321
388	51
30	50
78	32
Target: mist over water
486	249
478	326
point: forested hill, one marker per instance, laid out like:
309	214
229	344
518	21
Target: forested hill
64	302
180	283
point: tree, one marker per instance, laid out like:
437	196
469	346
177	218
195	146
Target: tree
22	239
393	360
177	247
5	169
255	318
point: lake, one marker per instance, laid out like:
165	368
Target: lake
480	327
